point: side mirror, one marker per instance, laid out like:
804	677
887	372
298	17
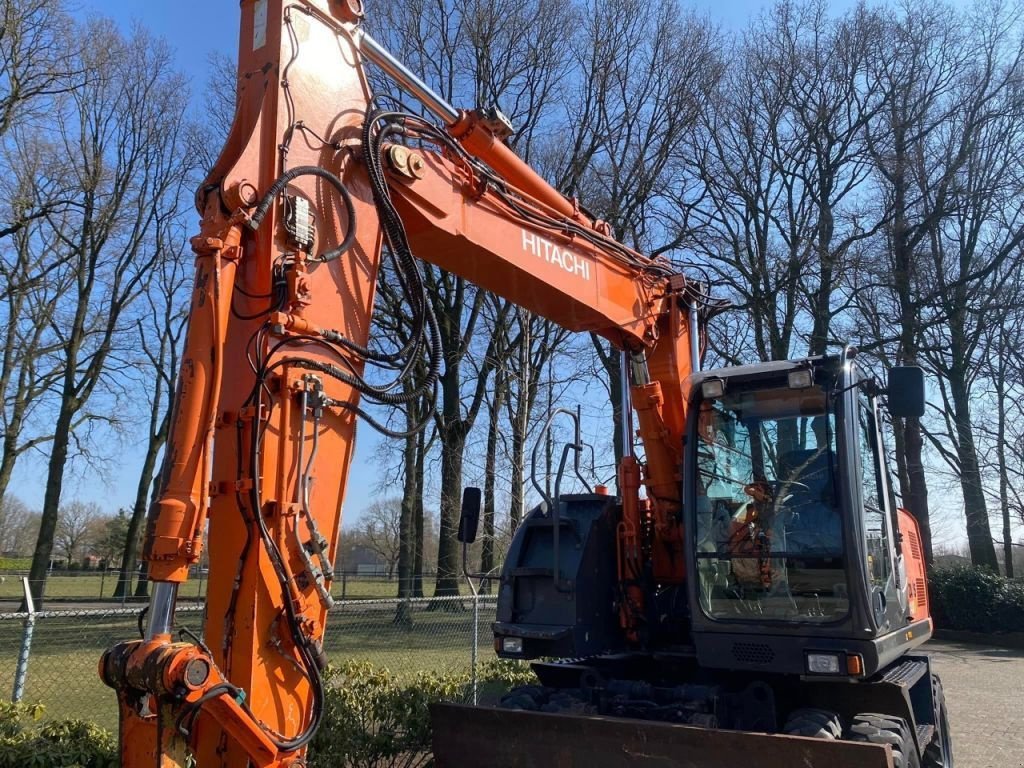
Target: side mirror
469	518
906	391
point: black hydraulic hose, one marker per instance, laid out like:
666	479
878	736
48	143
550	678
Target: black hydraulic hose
310	170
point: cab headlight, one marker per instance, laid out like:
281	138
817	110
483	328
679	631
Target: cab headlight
512	644
800	379
712	389
823	663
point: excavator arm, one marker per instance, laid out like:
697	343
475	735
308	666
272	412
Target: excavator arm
317	181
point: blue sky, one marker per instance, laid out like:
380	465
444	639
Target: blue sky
194	29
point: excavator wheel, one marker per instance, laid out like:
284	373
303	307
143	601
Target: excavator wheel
939	753
874	728
814	723
526	697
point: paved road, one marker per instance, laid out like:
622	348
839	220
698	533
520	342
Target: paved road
985	696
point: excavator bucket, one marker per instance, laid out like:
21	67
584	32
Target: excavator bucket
485	737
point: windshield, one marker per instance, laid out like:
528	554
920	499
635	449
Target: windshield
768	525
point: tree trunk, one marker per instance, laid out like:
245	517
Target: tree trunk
915	496
1004	479
142	585
821	300
979	533
407	522
487	553
142	494
6	465
51	503
517	489
418	517
610	360
453	443
520	418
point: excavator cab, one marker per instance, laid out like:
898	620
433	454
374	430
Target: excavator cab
800	616
802	557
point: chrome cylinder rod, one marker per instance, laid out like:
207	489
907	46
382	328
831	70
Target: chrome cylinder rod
161	609
402	75
625	405
694	338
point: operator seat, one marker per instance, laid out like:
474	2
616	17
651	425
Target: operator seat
814	525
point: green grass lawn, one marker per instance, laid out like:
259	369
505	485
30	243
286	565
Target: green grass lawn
62	671
95	587
85	586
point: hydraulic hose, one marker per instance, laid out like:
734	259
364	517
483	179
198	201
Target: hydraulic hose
310	170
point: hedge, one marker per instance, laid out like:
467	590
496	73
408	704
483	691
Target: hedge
27	743
372	719
970	599
375	720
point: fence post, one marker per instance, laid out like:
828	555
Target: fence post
476	643
26	645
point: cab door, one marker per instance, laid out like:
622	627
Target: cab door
881	563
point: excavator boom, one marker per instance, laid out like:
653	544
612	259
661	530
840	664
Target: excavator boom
323	192
315	179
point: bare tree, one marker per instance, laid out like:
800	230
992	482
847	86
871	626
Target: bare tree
483	54
34	270
916	62
72	537
123	134
380	530
643	73
18	526
537	341
160	333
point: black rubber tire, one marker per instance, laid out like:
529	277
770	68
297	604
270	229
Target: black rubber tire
939	753
814	723
875	728
526	697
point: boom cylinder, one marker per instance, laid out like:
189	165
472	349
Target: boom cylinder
475	137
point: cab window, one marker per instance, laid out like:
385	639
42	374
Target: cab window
876	524
768	522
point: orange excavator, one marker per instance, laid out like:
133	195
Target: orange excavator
744	582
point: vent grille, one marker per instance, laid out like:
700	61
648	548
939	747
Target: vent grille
915	545
922	594
753	653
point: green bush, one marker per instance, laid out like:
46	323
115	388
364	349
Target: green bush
25	743
975	600
373	719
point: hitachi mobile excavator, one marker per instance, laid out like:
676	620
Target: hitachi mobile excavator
753	594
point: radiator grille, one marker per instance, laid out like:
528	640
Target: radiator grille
753	653
915	545
922	594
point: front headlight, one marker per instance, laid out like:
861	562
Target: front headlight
512	644
823	663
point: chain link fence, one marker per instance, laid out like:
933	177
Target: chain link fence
100	586
51	657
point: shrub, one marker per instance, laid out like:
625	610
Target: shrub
976	600
25	743
373	719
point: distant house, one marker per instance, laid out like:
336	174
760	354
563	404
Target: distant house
361	561
948	561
